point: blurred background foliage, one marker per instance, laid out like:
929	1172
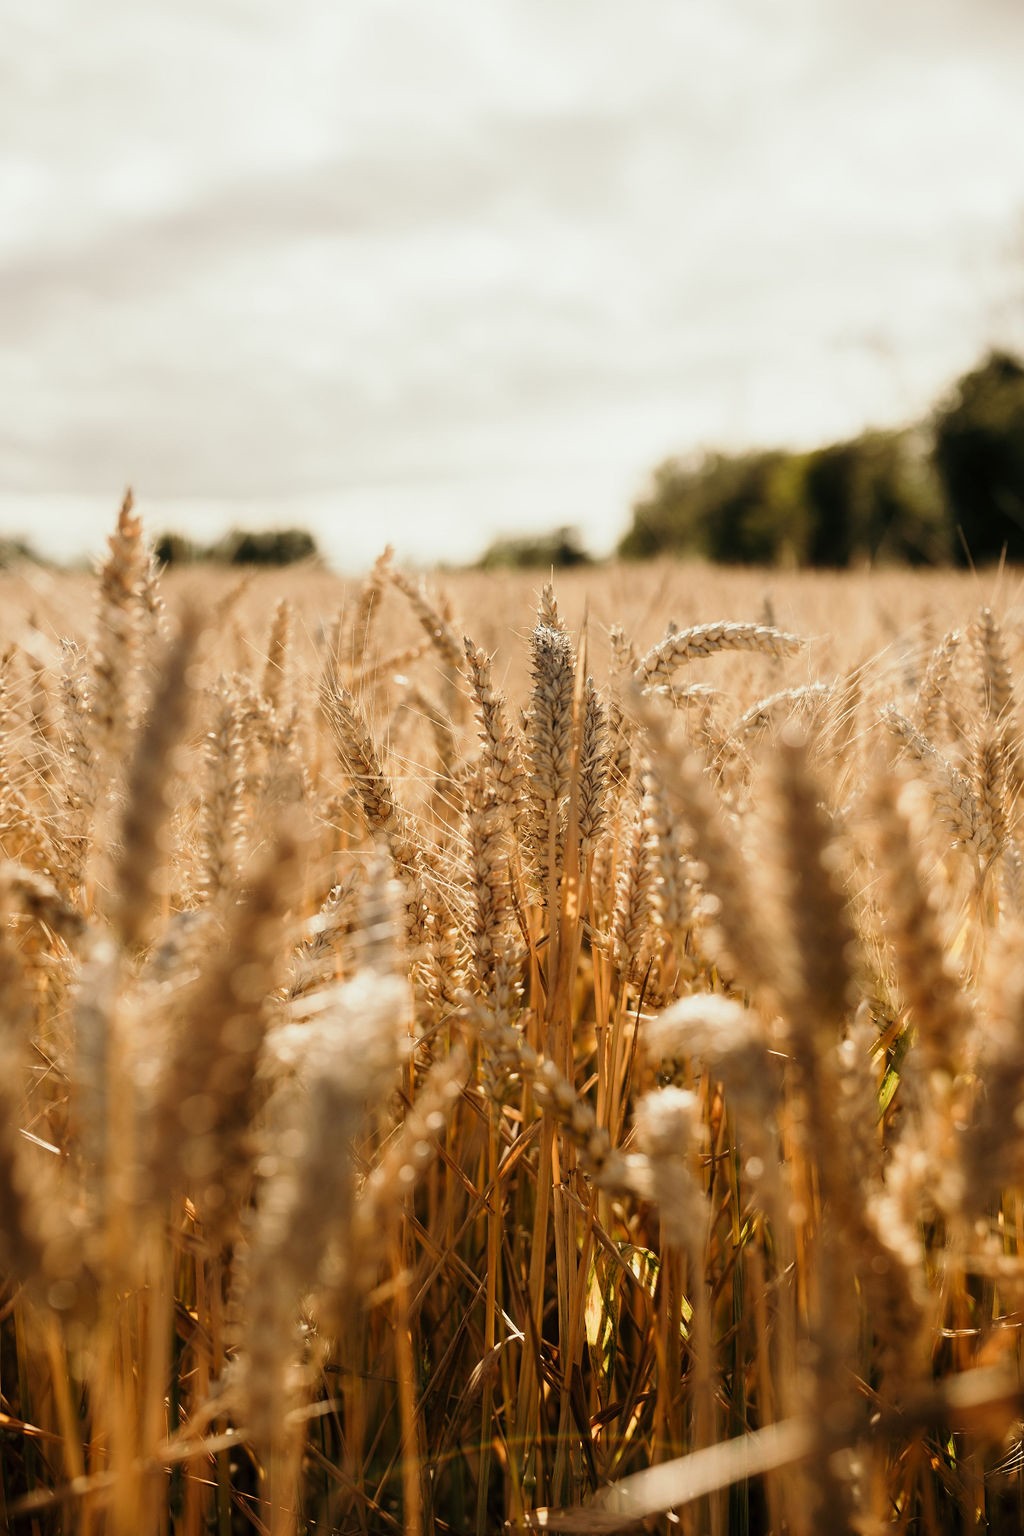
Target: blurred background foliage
12	551
559	549
979	457
949	489
873	498
279	546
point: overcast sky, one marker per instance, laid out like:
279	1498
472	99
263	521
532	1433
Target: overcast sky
429	272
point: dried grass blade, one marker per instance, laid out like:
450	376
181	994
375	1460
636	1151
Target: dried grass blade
674	1483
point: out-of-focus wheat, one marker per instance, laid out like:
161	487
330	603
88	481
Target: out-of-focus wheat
426	1105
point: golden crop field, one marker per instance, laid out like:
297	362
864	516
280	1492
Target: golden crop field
567	1079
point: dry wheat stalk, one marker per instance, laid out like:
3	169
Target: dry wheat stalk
629	933
549	747
929	702
317	958
138	866
735	931
956	803
490	890
403	1164
23	835
39	1244
996	683
204	1097
154	609
990	788
359	757
672	889
669	1129
594	768
302	1236
222	816
787	701
502	748
441	633
624	656
41	758
660	662
274	686
992	1145
365	615
442	730
620	730
814	979
932	989
115	648
547	609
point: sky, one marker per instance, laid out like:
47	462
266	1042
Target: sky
429	275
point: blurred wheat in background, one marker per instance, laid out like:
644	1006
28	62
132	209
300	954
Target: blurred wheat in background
510	1059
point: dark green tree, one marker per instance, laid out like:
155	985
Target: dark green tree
737	509
874	499
979	456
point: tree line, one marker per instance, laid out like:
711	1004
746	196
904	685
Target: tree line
277	546
950	489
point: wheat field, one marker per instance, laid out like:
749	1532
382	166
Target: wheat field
481	1056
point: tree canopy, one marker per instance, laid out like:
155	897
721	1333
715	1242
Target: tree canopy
950	488
872	498
979	454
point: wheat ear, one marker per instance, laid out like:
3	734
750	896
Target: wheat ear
359	757
995	679
222	814
930	697
140	861
278	644
549	749
204	1101
956	803
116	645
365	615
502	748
660	662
